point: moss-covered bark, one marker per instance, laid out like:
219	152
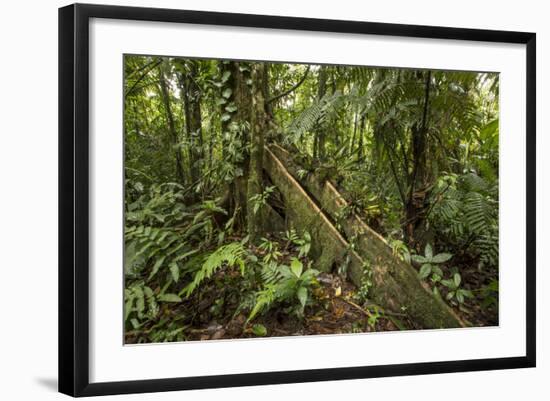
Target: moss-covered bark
328	248
396	285
255	175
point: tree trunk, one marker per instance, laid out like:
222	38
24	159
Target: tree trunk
414	208
191	98
257	129
165	96
361	150
235	129
321	91
395	284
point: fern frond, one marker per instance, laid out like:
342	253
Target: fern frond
230	255
270	273
264	299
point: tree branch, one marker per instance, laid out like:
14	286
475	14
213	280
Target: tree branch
152	67
292	89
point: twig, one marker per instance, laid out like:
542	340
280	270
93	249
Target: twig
368	313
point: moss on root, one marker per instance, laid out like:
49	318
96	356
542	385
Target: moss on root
396	285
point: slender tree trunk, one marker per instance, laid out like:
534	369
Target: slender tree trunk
191	98
414	208
235	127
257	128
361	149
355	123
321	91
165	95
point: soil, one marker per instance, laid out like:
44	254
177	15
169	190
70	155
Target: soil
334	312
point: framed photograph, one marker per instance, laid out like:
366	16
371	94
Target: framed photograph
251	199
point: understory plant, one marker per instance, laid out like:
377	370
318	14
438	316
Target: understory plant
429	263
284	284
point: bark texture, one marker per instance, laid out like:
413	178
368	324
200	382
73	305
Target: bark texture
396	285
329	248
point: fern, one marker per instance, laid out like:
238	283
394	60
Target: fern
264	299
231	255
478	211
315	115
466	210
270	273
487	244
284	283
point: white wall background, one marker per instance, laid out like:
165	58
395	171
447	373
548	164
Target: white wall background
28	199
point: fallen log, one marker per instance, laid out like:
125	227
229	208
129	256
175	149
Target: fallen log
396	285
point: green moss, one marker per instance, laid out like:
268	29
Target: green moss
395	283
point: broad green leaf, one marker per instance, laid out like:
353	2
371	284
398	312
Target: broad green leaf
441	257
128	308
296	267
302	295
425	271
457	279
226	76
419	259
437	270
148	292
169	298
428	252
231	108
175	270
157	266
227	93
129	257
140	299
448	283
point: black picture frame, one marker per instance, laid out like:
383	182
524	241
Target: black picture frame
74	198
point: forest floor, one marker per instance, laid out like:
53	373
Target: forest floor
336	307
219	310
334	312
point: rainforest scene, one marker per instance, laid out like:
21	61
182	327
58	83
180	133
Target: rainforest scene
266	199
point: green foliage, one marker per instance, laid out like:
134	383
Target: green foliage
284	283
271	249
303	244
231	255
456	295
490	293
259	330
429	263
465	213
401	250
373	318
140	303
260	200
391	141
152	243
363	292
